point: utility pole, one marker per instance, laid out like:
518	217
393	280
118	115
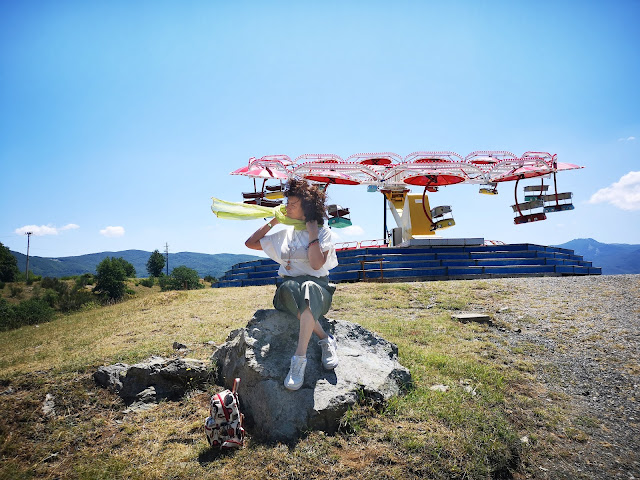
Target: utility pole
166	253
28	234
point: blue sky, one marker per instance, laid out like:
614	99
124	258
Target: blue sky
119	120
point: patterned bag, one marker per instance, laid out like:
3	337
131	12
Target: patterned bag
224	426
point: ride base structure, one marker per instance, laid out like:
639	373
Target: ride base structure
411	250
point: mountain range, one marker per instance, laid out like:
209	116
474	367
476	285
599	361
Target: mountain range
205	264
614	258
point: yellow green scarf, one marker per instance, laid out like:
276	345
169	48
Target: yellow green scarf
245	211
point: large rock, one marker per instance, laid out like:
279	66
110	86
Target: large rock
153	379
260	355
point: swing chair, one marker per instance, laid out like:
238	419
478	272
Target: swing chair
558	202
441	217
490	189
531	202
338	216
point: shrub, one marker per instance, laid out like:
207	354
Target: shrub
165	282
48	282
181	278
15	291
32	311
2	285
210	279
22	277
147	282
73	299
50	296
84	280
7	320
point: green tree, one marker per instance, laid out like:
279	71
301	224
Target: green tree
110	277
129	269
155	264
8	265
181	278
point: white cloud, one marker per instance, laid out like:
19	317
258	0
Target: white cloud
112	232
624	194
628	139
44	229
352	231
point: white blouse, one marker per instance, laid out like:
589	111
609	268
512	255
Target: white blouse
289	247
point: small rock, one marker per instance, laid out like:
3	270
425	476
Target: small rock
472	317
518	330
49	405
179	346
170	377
51	457
140	407
8	391
524	439
470	389
439	388
148	395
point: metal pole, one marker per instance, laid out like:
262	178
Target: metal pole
384	209
28	234
166	252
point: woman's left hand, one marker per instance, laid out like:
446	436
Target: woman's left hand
312	228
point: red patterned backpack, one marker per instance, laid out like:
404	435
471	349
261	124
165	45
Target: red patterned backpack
224	427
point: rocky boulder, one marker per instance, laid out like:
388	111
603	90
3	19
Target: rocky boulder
260	355
153	379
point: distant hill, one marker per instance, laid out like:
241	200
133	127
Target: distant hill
204	264
614	258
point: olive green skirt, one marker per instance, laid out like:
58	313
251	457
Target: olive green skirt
294	294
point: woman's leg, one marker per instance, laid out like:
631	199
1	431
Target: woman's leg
307	326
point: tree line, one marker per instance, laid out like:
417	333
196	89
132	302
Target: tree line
109	284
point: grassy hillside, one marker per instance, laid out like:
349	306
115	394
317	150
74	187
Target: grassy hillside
204	264
472	431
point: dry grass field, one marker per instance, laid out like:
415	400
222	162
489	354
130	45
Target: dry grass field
498	419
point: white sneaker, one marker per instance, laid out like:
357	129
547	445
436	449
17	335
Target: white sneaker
295	378
329	352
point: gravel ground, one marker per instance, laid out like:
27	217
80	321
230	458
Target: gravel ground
582	336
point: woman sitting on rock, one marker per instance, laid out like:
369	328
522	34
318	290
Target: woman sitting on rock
305	254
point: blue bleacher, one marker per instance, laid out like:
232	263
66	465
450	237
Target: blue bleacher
438	262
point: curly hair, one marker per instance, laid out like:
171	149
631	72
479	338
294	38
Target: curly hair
312	199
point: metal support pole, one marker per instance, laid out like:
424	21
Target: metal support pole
28	234
166	252
384	209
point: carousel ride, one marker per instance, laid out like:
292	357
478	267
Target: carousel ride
393	176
